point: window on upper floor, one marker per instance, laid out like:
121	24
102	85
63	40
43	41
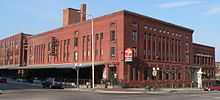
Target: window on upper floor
134	51
88	38
113	52
97	36
75	41
96	52
113	35
101	35
76	33
101	52
134	35
75	56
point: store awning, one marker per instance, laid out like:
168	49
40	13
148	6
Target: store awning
57	66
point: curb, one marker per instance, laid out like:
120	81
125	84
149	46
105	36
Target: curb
115	92
100	91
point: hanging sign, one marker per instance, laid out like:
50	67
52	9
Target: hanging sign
128	55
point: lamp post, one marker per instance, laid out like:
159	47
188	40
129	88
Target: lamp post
154	73
77	74
93	57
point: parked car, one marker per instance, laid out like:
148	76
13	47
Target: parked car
36	81
53	83
213	88
21	80
3	80
69	85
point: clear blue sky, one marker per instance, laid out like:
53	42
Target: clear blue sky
35	16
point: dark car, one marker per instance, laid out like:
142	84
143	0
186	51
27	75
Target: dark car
213	88
52	83
3	80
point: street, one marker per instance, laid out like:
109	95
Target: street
39	94
14	86
14	91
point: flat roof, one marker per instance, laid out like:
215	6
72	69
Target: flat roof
164	22
202	45
111	14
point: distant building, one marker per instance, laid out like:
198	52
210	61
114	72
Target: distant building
217	70
204	58
134	49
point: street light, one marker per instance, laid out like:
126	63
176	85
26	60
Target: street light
93	52
93	56
77	74
154	73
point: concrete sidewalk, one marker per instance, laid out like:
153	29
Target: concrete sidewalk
140	91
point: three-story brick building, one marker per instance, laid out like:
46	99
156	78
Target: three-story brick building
155	44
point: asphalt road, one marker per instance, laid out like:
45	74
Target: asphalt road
39	94
21	92
14	86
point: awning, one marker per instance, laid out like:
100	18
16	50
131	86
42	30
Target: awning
58	66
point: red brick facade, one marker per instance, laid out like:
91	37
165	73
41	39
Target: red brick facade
13	49
155	44
204	57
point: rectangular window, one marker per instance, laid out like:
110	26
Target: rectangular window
49	46
101	52
67	49
145	74
134	35
112	51
75	42
64	50
96	52
83	47
101	35
149	46
134	51
97	36
145	45
75	56
88	38
113	35
61	50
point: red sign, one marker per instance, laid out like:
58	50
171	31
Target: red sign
128	55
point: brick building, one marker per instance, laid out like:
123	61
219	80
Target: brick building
13	50
217	70
204	57
155	44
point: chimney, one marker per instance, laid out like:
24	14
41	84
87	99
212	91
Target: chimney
82	12
73	16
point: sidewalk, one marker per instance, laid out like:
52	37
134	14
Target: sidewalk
141	91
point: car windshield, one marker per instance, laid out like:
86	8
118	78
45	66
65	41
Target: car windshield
59	80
